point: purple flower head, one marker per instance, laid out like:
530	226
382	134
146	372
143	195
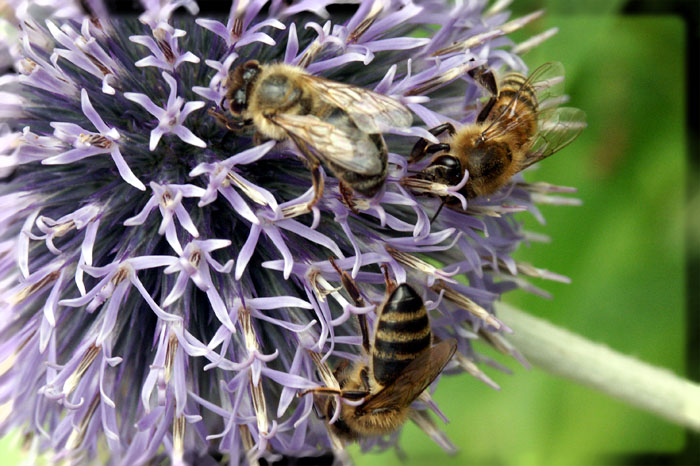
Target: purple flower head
183	317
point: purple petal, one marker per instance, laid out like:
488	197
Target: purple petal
124	170
177	291
187	136
74	155
156	134
190	107
144	101
110	315
173	88
281	246
247	250
288	380
398	43
150	262
143	215
216	27
219	308
92	115
185	220
153	61
292	44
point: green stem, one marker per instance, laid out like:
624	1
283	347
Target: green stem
560	352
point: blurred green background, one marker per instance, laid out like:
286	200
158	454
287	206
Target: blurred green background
623	249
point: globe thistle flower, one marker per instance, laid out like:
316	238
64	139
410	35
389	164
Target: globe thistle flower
164	296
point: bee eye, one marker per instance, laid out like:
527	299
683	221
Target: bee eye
448	161
238	103
451	168
250	70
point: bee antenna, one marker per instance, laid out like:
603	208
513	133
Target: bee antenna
442	204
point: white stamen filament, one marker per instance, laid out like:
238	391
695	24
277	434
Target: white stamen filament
248	445
256	390
33	288
414	262
178	438
423	420
472	369
248	190
534	41
72	382
517	23
466	304
170	356
78	434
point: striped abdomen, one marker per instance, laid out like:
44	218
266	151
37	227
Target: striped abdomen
402	332
516	101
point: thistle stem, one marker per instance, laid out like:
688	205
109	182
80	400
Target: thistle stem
560	352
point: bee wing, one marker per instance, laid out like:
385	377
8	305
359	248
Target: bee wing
414	378
343	146
556	132
547	82
372	112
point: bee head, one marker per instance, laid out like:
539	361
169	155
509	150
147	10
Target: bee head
239	83
446	169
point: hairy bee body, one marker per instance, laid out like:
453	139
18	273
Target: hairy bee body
335	123
401	365
511	132
353	424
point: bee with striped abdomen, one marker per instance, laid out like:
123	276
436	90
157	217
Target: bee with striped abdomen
518	126
330	122
402	363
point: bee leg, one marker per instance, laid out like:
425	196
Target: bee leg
422	148
315	168
437	212
354	292
228	123
346	193
364	377
347	394
317	181
389	283
486	110
483	75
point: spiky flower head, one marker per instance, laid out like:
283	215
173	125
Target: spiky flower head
161	295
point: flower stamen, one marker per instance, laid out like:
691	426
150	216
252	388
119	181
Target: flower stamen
170	356
253	194
161	39
473	370
416	263
34	287
72	382
178	439
78	434
248	445
256	390
467	304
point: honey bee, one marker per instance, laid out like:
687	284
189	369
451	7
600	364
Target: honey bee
518	126
402	363
330	122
